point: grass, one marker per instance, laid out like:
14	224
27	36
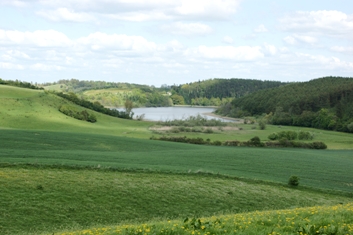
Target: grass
47	199
334	220
58	173
324	169
38	110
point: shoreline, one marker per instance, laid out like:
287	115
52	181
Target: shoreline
223	117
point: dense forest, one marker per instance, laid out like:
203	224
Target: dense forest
325	103
218	91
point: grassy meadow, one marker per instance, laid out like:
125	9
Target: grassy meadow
59	174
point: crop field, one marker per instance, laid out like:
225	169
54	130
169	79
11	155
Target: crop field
324	169
49	199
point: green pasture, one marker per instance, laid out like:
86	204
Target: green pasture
48	200
324	169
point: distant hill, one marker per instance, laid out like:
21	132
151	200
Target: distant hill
114	94
325	103
214	91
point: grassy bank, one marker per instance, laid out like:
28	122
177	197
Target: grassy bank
334	220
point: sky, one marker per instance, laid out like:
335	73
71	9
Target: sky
159	42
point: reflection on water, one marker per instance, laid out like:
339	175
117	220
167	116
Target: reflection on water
171	113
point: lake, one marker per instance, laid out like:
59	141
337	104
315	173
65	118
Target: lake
172	113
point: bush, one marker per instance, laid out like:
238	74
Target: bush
72	111
305	135
319	145
231	143
273	136
253	142
350	127
262	125
293	181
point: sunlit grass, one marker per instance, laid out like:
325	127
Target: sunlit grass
333	220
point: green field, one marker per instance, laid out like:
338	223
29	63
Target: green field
58	173
325	169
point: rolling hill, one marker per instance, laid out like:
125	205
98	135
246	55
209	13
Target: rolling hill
66	174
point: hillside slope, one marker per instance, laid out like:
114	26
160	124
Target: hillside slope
32	109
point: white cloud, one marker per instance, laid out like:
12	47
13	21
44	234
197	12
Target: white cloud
270	49
137	10
296	39
228	40
341	49
328	62
39	38
261	29
5	65
64	14
16	3
187	29
334	23
243	53
115	42
45	67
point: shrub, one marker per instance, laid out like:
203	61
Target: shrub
273	136
305	135
217	143
319	145
253	142
262	125
293	181
208	131
231	143
350	127
72	111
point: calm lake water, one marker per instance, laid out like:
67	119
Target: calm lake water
171	113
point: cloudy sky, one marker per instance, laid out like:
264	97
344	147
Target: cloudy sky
159	42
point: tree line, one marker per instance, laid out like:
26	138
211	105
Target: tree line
96	106
18	83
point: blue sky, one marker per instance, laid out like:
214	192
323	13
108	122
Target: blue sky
159	42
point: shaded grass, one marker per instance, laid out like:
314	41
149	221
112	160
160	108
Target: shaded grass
35	200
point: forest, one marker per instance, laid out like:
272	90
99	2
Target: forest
219	91
324	103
